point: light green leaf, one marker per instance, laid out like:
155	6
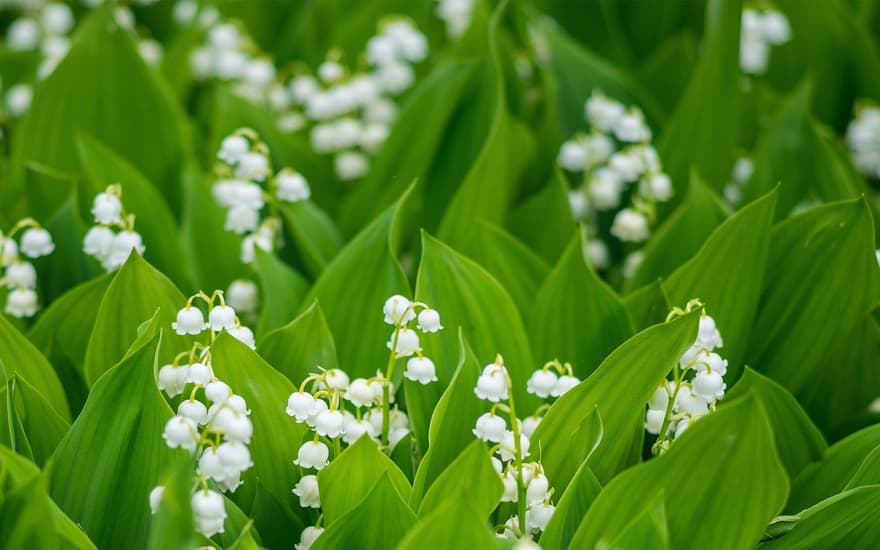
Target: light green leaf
571	508
469	481
643	362
448	528
702	130
648	529
725	465
282	291
848	520
830	476
548	210
37	428
798	441
299	347
119	435
355	473
314	234
141	197
868	472
577	317
380	520
277	436
726	275
451	420
172	526
353	289
19	356
826	365
123	311
648	305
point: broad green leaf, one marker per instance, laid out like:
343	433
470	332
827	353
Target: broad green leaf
172	526
571	508
727	274
380	520
67	266
62	333
680	235
352	290
667	70
448	528
826	365
547	209
519	270
868	472
470	481
702	130
847	520
351	476
451	420
315	237
19	356
404	454
104	88
276	436
577	318
276	525
122	312
648	305
299	347
620	388
118	435
282	292
37	428
648	529
724	466
830	476
798	441
141	197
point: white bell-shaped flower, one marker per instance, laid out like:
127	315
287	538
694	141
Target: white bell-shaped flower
682	426
8	251
21	275
542	383
320	406
536	491
221	317
660	399
398	310
241	219
398	420
330	71
243	295
492	384
120	249
754	55
654	420
596	252
234	426
429	321
336	379
181	432
23	34
573	155
307	491
301	406
511	488
253	166
602	112
490	427
200	374
659	187
193	409
507	446
420	369
631	127
709	385
688	402
355	429
604	189
234	456
351	165
156	498
530	424
172	380
373	136
209	511
98	241
21	302
312	454
564	384
627	163
538	516
708	335
36	242
244	335
329	423
209	465
308	538
291	186
407	342
218	391
232	148
774	27
360	393
107	208
630	225
238	404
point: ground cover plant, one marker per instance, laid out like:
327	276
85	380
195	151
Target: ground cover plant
439	274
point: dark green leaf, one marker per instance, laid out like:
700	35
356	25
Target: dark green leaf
469	481
299	347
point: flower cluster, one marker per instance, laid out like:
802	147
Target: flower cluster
863	139
243	171
112	238
760	30
697	384
19	275
457	14
743	169
525	483
615	155
228	54
243	295
218	434
349	113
